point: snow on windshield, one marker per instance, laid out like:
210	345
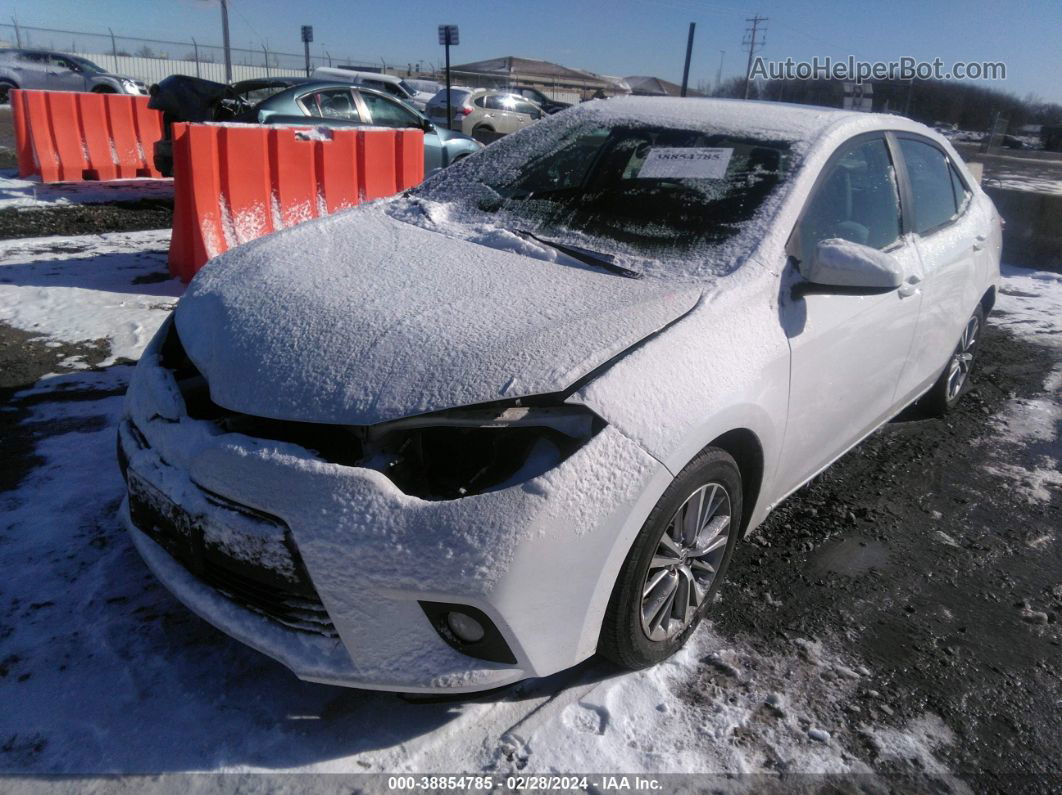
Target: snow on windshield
675	193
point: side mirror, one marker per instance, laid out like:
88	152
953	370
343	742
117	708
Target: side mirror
851	267
427	126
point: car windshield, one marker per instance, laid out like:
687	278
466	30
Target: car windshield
87	65
644	191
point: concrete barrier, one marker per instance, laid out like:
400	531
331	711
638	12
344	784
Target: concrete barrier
1033	235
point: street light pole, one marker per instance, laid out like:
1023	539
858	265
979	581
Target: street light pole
689	52
225	39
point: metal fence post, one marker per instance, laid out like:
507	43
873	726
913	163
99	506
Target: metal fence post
114	50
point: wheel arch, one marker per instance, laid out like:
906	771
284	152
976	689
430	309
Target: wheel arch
988	300
745	448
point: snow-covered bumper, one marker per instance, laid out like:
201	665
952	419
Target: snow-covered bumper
355	567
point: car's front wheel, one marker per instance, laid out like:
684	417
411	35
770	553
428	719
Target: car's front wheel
955	380
676	563
5	91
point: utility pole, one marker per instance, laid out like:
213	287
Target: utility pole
225	39
753	44
18	33
195	46
719	74
689	52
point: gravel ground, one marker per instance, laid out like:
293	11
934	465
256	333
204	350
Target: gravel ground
81	219
937	573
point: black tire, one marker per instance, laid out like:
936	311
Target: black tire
942	397
5	91
624	640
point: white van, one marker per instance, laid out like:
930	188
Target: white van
389	84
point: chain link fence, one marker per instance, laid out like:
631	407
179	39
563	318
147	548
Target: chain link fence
151	60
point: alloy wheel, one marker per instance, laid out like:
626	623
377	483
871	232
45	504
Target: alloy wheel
962	360
686	561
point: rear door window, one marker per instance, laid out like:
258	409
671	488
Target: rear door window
332	103
936	200
388	113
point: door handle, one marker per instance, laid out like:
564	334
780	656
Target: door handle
910	286
979	242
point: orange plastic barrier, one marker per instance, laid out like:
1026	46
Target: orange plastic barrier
235	183
68	136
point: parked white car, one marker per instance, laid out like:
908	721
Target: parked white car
525	413
389	84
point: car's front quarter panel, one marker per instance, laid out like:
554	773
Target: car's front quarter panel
723	367
529	556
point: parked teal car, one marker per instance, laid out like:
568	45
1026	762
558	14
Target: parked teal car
297	101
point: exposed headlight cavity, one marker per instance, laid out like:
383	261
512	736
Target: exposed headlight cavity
441	456
457	453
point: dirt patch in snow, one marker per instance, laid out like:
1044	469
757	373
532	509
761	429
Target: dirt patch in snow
25	358
85	219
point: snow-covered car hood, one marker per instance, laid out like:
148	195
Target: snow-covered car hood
361	318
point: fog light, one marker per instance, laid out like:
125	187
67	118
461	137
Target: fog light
468	630
465	627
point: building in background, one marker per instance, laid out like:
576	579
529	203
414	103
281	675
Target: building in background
559	82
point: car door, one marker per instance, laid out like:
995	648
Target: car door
949	231
848	351
386	112
526	112
63	75
496	113
32	69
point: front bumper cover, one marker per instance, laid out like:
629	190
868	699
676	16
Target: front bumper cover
539	558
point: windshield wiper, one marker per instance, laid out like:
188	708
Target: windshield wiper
584	255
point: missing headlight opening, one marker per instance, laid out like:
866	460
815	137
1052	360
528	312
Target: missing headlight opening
462	452
440	456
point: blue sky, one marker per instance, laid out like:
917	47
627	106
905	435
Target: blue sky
618	37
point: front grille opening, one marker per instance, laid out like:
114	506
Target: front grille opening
446	461
293	610
335	443
287	597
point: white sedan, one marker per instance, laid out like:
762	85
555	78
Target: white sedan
524	413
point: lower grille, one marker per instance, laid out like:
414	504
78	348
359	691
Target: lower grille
287	608
284	595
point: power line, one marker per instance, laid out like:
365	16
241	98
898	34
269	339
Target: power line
754	39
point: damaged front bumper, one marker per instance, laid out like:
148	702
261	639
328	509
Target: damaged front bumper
331	568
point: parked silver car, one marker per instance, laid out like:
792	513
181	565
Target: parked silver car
56	71
482	113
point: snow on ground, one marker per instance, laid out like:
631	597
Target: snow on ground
1014	180
1030	304
112	286
15	192
101	670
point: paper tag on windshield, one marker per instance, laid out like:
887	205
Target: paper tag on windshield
691	162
